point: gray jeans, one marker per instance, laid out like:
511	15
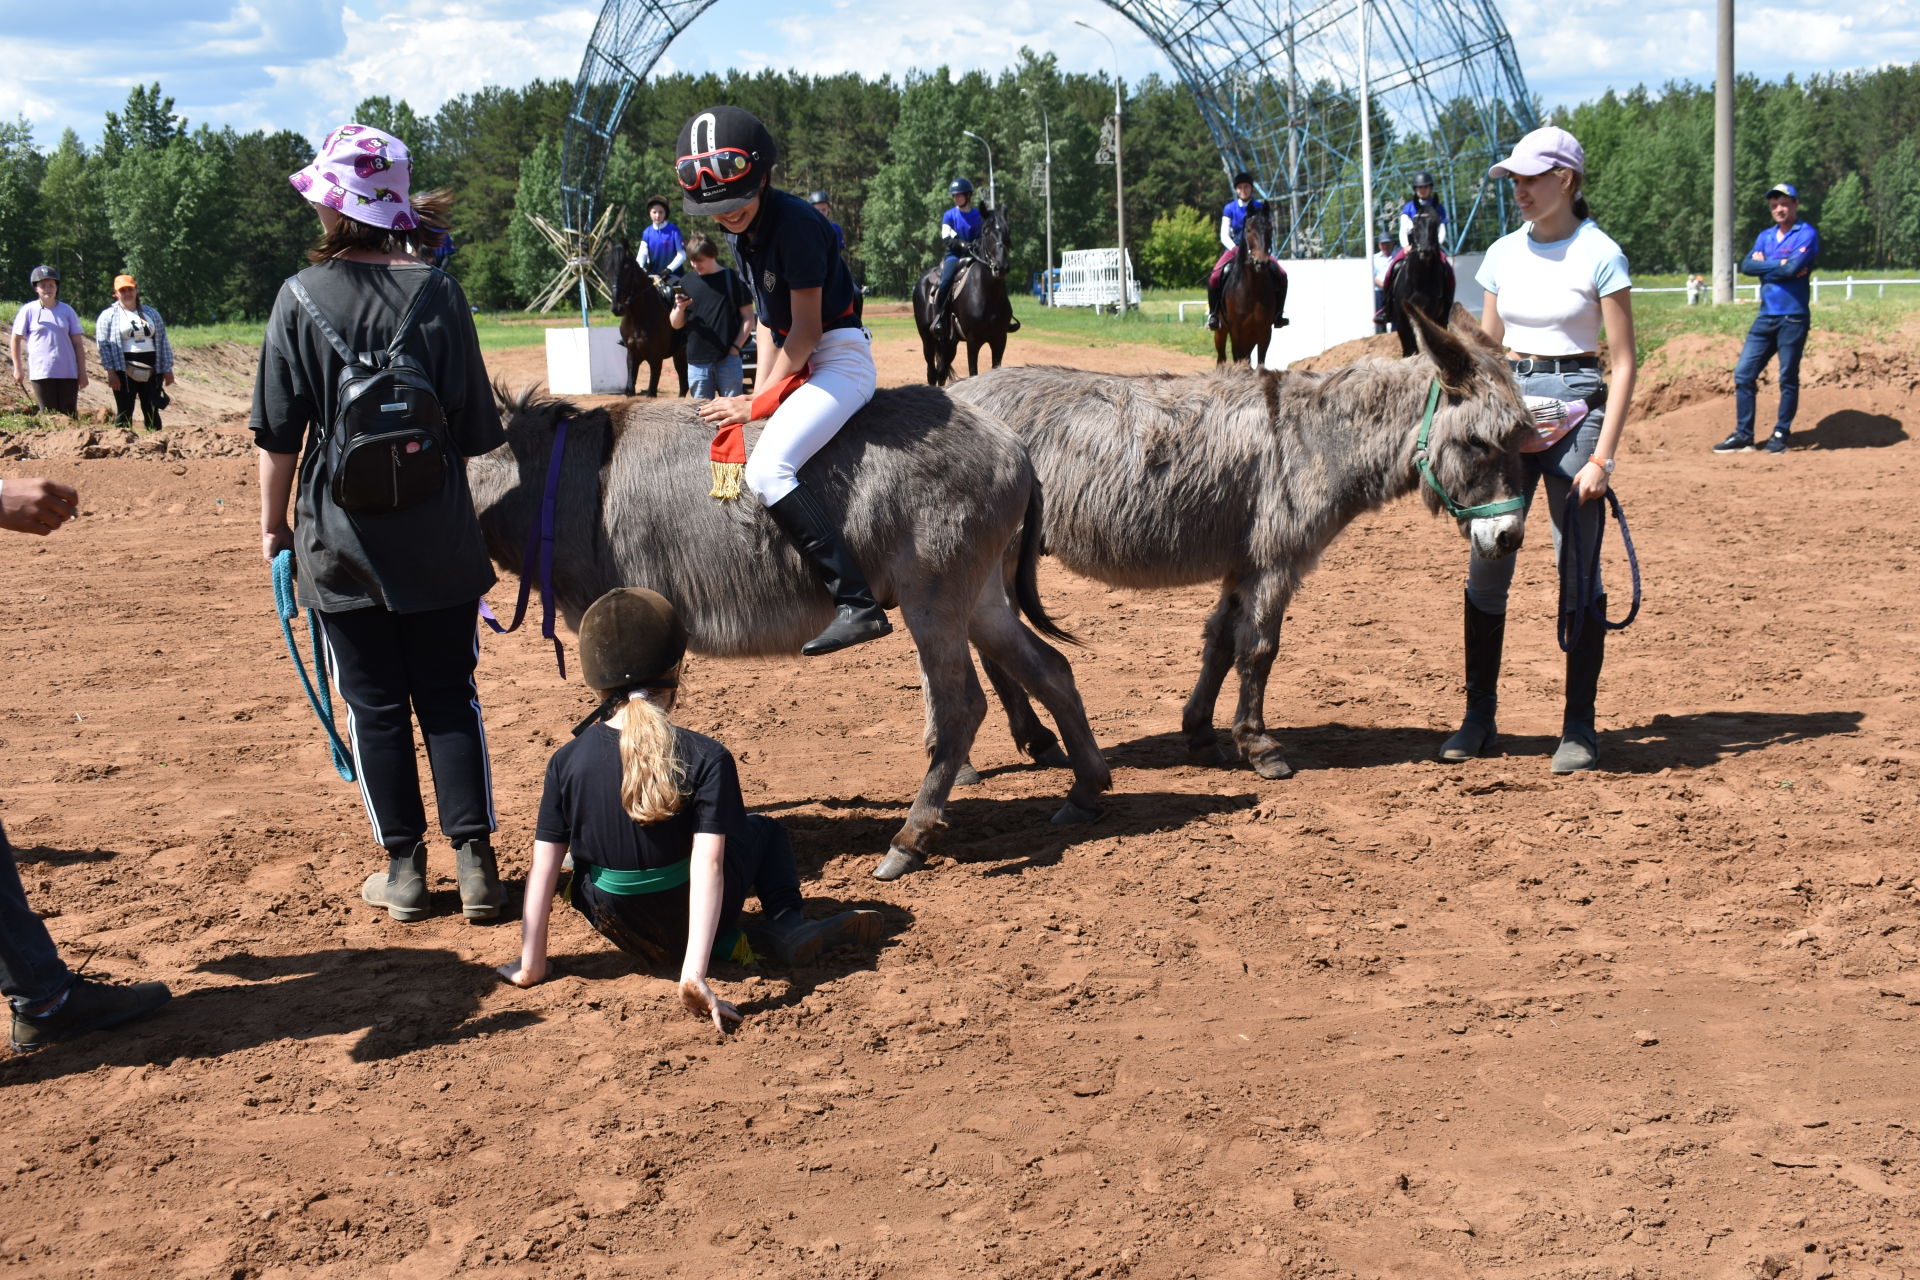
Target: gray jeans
1488	580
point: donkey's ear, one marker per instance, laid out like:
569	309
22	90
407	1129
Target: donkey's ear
1450	356
1461	322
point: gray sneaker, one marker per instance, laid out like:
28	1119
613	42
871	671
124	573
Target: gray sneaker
1777	442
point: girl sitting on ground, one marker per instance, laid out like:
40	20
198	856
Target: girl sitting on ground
664	852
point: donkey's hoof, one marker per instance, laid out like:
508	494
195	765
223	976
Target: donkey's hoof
968	776
897	863
1072	814
1053	758
1274	767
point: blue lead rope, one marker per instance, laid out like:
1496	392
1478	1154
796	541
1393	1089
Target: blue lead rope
1580	574
321	701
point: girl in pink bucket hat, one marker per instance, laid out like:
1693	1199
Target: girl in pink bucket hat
394	572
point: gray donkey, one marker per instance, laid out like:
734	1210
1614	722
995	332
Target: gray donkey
940	506
1245	478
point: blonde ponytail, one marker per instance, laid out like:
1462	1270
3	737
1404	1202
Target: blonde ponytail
652	777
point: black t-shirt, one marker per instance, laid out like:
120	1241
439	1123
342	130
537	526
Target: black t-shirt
580	804
713	321
431	555
791	246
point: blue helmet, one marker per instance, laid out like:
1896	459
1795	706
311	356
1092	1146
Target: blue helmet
959	187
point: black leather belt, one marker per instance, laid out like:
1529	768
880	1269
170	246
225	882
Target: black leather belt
1564	364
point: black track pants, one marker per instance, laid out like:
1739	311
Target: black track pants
393	668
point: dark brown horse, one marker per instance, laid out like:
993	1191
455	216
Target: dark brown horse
1253	296
981	314
1423	278
645	330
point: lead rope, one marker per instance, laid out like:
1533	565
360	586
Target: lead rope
322	700
1582	574
537	562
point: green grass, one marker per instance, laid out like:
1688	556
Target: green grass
1658	318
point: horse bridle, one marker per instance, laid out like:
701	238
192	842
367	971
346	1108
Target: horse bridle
1425	465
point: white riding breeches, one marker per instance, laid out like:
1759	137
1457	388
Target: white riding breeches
842	380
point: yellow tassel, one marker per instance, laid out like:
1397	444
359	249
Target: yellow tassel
743	953
726	480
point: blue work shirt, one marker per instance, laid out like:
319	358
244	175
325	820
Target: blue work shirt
663	245
1411	209
790	246
1236	214
966	226
1784	290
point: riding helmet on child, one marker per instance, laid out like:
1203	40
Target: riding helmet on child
1243	179
818	197
1422	179
44	273
630	638
726	157
662	202
960	187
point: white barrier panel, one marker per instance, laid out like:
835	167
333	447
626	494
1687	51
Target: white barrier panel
586	362
1330	301
1091	278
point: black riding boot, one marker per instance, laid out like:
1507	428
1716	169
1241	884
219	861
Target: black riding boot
857	618
1579	748
1214	304
1486	634
939	319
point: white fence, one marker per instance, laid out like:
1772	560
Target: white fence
1330	301
1091	278
1848	284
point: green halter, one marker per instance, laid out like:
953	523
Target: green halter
1454	509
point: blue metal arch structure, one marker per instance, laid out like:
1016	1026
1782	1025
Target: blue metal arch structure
1277	82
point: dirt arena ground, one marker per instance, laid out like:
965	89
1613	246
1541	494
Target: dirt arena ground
1389	1018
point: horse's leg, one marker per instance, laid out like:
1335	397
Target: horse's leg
1216	659
1220	339
973	357
998	345
1263	607
653	376
680	368
633	366
1005	641
955	707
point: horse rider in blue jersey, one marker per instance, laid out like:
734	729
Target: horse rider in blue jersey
662	250
1424	201
1233	235
960	229
823	205
1782	257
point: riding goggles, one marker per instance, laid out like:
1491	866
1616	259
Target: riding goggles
725	165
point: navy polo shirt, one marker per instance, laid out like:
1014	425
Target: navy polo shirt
791	246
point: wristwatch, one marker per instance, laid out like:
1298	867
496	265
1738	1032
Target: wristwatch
1605	464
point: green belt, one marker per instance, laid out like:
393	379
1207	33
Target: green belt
629	883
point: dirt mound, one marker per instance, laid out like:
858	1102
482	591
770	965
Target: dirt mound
1382	345
119	442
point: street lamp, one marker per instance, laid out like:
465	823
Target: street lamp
1119	181
991	202
1046	169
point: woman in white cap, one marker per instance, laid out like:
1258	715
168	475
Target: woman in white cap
1550	289
395	569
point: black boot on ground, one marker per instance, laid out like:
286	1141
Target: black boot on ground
481	894
402	888
89	1006
1579	748
857	616
1486	633
793	939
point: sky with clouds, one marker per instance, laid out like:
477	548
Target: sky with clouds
303	64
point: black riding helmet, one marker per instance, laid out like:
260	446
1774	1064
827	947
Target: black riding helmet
1242	176
960	186
44	273
662	202
630	638
724	158
1423	179
818	197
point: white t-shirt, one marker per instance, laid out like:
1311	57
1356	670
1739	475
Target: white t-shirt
1550	291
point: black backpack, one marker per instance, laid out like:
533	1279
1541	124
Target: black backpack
386	447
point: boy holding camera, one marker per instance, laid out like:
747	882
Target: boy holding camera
715	308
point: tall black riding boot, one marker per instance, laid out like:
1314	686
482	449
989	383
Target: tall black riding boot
857	617
1579	743
1213	303
1486	634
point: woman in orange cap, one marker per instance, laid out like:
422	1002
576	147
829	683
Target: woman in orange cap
135	353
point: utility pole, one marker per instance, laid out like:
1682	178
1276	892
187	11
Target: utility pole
1723	162
1366	138
1293	142
1046	178
991	202
1119	180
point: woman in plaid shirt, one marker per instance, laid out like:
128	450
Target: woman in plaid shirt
135	353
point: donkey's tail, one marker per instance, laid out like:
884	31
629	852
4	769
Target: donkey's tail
1026	584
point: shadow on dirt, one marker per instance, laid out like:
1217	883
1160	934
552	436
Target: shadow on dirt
402	999
47	857
1681	742
1851	429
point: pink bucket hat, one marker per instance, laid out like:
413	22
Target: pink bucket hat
363	172
1541	150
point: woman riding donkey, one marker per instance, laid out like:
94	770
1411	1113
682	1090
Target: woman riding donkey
664	852
1550	287
1233	238
960	229
822	369
389	551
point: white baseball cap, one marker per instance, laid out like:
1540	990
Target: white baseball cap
1546	148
